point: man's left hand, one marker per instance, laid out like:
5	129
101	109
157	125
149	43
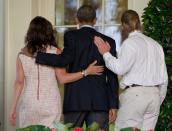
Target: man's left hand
112	115
102	46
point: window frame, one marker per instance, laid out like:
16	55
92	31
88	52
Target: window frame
102	25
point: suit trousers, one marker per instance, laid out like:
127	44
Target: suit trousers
79	117
139	107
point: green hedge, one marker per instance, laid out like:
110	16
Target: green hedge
157	23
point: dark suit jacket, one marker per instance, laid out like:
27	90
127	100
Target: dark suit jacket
91	93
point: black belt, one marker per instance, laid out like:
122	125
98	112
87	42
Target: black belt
133	85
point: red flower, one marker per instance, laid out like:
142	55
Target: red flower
134	128
52	129
78	129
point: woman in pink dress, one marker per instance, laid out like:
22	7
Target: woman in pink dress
41	101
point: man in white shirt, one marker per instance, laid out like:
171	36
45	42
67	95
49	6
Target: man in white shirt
142	65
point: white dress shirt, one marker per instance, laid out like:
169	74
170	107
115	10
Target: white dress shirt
140	61
86	26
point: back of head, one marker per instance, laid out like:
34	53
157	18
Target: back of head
39	35
86	13
130	21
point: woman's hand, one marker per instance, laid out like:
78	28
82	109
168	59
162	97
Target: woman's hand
92	69
13	117
102	46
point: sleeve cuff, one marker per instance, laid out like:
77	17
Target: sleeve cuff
38	58
106	55
115	106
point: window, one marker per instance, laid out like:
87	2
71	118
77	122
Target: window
108	17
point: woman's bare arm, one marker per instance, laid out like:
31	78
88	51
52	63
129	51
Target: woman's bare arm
65	77
19	82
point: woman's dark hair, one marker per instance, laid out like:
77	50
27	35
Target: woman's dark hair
39	35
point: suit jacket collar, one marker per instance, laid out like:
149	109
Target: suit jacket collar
88	28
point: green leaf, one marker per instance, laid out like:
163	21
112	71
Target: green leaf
34	128
60	127
130	129
93	127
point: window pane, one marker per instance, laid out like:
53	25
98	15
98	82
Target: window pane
98	28
59	35
114	10
65	12
97	4
113	32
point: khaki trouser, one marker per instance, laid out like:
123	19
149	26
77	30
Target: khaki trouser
139	107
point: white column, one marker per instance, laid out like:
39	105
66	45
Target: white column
35	9
138	5
46	8
18	15
2	22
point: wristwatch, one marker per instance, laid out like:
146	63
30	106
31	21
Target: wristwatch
84	73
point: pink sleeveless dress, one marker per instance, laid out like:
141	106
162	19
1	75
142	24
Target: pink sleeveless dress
41	101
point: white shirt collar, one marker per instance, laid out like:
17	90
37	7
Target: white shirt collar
86	26
134	33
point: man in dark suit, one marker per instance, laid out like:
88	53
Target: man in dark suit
92	98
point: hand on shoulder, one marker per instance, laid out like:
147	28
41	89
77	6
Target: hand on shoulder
58	51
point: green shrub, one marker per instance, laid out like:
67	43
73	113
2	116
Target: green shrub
157	23
130	129
59	127
34	128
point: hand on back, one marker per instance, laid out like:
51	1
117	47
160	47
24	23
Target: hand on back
102	46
